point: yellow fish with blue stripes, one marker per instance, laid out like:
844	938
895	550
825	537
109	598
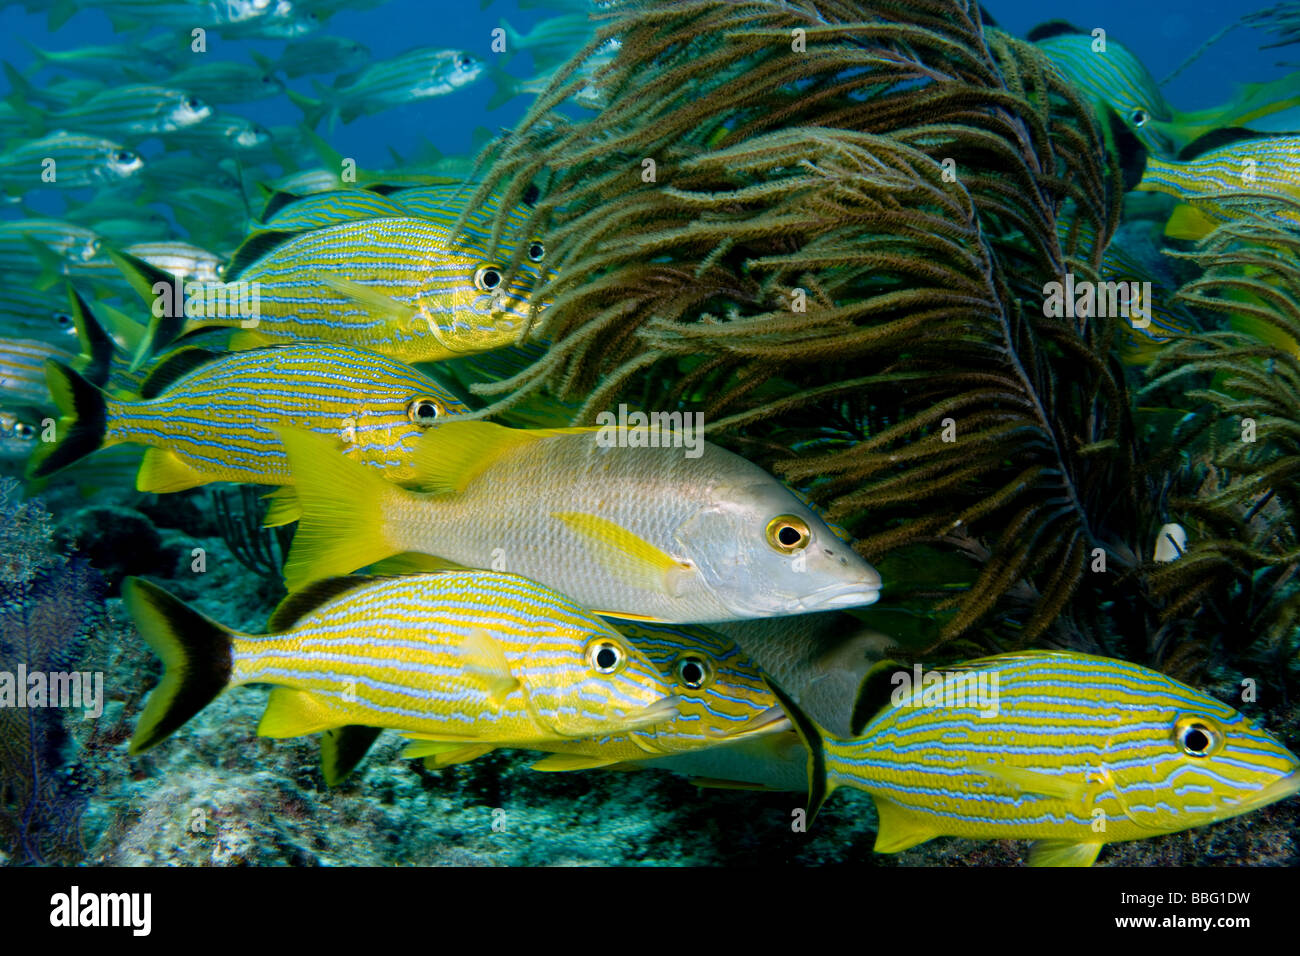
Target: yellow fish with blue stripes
210	416
721	696
1229	174
459	656
1069	750
405	286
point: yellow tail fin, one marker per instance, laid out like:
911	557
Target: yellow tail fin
342	527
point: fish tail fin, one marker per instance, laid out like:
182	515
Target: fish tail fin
503	89
342	526
816	742
513	39
83	421
313	111
22	96
196	653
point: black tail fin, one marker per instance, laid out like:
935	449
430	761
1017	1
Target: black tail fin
82	423
812	739
342	748
196	660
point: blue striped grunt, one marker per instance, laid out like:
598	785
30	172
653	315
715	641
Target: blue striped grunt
398	286
632	529
210	416
459	656
721	695
1069	750
1111	74
1226	175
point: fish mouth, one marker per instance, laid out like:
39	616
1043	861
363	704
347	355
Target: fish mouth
858	597
1279	789
769	721
664	709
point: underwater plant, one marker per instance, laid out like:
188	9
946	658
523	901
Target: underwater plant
830	227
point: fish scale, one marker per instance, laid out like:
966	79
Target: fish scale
1074	739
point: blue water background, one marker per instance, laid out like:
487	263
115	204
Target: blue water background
1162	34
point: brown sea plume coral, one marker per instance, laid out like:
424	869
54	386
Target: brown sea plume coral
829	226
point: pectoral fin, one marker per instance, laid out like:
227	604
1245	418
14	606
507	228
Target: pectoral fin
634	559
1029	781
1188	222
485	660
374	302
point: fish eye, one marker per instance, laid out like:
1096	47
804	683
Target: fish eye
425	411
487	278
694	672
536	251
63	320
24	430
193	103
788	533
464	61
1198	736
605	656
1139	117
123	156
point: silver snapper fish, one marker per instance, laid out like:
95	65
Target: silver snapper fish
632	531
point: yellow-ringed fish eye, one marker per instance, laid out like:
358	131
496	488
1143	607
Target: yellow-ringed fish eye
788	533
1139	117
1198	735
606	656
694	672
487	279
536	251
425	411
23	430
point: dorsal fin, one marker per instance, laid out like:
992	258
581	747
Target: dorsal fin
1216	138
1053	28
874	694
174	367
255	247
301	603
449	457
278	201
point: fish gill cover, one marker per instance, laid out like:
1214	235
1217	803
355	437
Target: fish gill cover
878	393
